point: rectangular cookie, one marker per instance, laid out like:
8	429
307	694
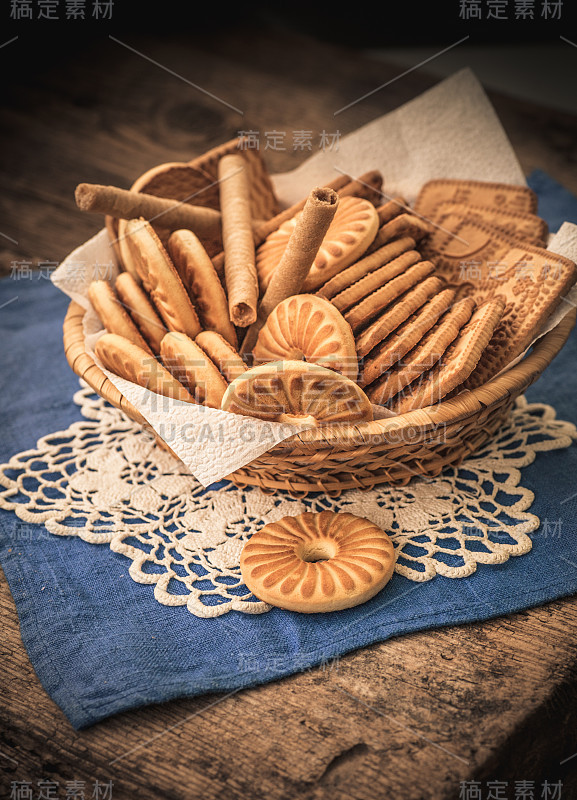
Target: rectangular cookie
504	196
480	260
528	227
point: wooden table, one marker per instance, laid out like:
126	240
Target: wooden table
410	718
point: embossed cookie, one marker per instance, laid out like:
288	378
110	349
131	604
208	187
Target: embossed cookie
140	308
350	233
297	392
425	355
112	313
397	312
131	362
160	278
309	327
191	366
504	196
528	227
318	562
458	362
202	283
531	280
364	312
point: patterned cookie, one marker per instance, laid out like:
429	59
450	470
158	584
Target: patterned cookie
347	277
397	312
457	363
297	392
425	355
504	196
531	280
529	227
128	361
112	313
309	327
222	354
160	278
350	233
364	312
140	308
191	366
318	562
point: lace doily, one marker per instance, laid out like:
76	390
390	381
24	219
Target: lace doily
106	481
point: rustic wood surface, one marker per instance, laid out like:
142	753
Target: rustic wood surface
410	718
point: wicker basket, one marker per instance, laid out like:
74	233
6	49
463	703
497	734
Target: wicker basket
333	458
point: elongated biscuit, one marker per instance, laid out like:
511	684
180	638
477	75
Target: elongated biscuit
222	354
364	266
131	362
160	278
426	354
193	368
458	362
365	311
396	313
374	280
203	284
112	314
405	225
391	209
405	337
140	308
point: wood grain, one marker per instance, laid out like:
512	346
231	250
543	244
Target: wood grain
409	718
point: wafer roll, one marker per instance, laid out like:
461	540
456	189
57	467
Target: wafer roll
367	186
129	205
239	252
297	259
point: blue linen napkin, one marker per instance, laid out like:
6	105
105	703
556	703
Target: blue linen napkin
100	643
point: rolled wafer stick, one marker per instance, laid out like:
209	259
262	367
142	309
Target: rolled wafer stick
296	261
239	252
367	186
129	205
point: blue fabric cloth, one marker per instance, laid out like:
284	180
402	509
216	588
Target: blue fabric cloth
100	643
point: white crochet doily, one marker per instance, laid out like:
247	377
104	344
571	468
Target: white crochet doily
106	481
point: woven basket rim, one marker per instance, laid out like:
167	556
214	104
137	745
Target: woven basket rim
513	381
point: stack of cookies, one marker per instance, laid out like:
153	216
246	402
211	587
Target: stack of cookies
394	305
